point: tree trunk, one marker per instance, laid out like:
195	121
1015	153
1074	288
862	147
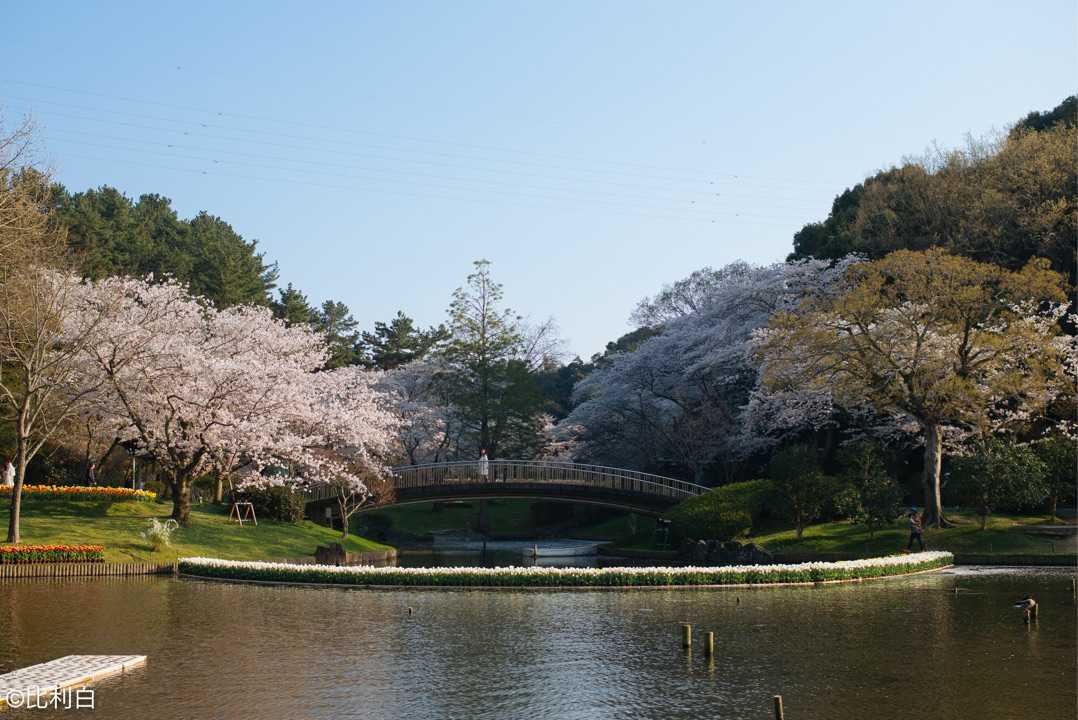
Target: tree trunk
22	448
1053	505
933	514
15	512
219	490
799	528
181	501
342	507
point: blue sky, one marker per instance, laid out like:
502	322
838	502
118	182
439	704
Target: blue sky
592	150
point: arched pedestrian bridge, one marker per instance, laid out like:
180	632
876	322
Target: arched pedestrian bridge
571	482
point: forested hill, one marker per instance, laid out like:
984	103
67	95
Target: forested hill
1001	201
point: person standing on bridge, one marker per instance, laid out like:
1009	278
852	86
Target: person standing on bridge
484	464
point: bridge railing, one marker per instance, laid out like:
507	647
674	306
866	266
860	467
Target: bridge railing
533	472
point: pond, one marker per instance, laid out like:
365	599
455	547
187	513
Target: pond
898	648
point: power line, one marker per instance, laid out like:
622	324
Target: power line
382	190
707	190
706	205
695	176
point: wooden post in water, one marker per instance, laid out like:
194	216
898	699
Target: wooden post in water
779	714
709	645
686	635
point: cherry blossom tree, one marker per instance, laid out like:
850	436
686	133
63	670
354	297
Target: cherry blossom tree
427	422
338	439
204	390
680	396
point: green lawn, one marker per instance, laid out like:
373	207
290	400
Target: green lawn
118	527
1005	535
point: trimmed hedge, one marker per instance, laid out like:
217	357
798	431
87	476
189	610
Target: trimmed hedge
17	554
95	492
722	513
565	577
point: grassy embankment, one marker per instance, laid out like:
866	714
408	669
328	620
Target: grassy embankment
1005	535
118	526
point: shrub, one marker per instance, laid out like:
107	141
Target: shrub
10	554
277	502
722	513
159	534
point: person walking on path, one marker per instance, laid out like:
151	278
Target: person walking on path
91	474
484	464
9	473
916	532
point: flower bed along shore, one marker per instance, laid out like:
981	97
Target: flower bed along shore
566	577
94	492
16	554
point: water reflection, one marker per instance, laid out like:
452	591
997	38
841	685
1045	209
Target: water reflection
501	558
889	649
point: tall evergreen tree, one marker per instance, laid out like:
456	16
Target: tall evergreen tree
399	342
292	306
335	321
487	377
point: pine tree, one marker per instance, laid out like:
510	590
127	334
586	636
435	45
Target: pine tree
399	342
292	307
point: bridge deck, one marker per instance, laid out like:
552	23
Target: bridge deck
574	482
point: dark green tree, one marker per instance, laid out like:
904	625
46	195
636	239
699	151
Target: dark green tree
1064	114
802	488
876	497
224	267
293	307
556	383
335	321
399	342
111	235
1000	473
486	377
1060	457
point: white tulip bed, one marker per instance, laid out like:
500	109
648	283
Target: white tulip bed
564	577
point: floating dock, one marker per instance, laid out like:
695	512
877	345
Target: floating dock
68	671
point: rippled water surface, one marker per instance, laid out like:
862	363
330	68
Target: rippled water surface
902	648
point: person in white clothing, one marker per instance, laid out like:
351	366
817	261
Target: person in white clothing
484	464
9	473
